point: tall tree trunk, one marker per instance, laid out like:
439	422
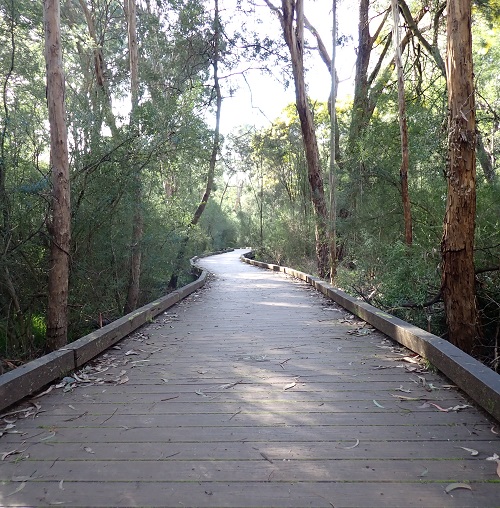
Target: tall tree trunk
135	262
360	105
292	21
60	222
333	149
213	156
403	128
457	246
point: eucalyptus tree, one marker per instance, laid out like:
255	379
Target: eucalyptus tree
133	288
457	246
403	125
291	17
60	220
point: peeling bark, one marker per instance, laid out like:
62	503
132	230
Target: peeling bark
457	245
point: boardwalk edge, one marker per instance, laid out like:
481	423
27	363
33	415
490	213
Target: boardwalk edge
479	382
33	376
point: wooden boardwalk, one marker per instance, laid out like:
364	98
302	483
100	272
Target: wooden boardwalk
254	392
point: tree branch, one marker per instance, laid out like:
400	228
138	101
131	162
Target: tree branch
432	50
321	46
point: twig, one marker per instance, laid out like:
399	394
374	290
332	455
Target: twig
76	417
109	417
266	457
237	413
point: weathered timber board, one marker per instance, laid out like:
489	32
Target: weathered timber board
197	409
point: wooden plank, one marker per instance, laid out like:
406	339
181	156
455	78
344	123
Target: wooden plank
272	434
242	418
203	494
438	451
256	471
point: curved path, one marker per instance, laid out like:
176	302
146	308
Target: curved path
255	391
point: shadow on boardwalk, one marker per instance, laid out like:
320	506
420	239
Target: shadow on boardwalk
255	391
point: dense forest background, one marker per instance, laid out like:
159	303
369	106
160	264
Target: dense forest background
154	182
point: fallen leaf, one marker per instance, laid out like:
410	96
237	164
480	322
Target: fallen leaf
378	405
131	352
494	430
122	380
459	407
50	436
409	359
404	397
494	457
88	449
401	389
21	487
290	385
230	385
61	485
12	452
48	390
21	478
423	473
453	486
470	450
199	392
351	447
439	407
411	368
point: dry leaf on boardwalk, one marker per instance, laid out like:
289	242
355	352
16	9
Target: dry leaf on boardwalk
50	436
21	487
470	450
453	486
401	389
122	380
12	452
404	397
351	447
289	385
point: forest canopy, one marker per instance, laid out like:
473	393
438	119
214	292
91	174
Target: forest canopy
359	189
